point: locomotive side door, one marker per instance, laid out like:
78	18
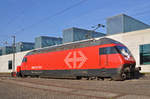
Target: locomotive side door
103	57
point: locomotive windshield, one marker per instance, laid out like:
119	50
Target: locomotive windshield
124	51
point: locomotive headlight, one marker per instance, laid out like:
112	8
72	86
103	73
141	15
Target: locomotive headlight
125	54
128	57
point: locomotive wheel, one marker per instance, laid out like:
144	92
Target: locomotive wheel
123	76
18	74
78	77
22	75
100	78
87	78
120	77
92	78
126	73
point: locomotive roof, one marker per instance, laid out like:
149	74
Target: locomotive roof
73	45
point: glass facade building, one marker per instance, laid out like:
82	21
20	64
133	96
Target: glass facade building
24	46
77	34
7	50
145	54
123	23
44	41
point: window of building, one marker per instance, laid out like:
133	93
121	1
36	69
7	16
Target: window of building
145	54
10	64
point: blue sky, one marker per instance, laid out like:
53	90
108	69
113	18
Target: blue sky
28	19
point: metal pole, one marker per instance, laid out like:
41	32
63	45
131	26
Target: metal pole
13	64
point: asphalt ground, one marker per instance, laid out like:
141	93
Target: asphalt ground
43	88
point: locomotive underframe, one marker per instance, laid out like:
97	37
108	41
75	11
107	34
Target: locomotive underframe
126	72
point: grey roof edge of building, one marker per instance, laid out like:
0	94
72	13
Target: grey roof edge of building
115	16
26	42
123	14
49	37
71	28
137	20
7	46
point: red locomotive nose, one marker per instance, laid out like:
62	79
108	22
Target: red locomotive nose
129	58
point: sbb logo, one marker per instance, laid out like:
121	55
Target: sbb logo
75	59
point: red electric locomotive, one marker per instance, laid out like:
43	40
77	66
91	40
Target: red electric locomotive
99	57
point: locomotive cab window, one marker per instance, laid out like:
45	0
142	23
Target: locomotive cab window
123	50
24	59
103	51
112	50
107	50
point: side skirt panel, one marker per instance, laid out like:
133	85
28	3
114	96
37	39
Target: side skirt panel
72	73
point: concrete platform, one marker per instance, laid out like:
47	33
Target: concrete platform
39	88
